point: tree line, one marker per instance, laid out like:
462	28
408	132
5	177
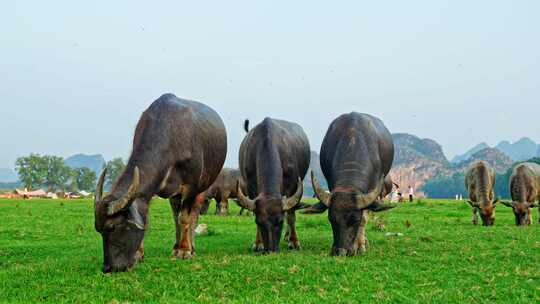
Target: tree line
449	186
51	172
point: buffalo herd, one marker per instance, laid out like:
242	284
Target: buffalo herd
179	149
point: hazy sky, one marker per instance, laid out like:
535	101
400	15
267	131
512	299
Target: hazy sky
76	75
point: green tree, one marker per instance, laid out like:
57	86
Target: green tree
32	170
84	178
115	168
58	174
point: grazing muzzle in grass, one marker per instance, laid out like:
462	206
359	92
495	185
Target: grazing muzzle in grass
486	210
346	221
270	213
521	211
345	211
269	218
121	226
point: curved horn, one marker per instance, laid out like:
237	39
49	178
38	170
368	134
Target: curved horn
364	200
379	206
323	196
99	187
127	199
507	204
244	200
289	203
473	204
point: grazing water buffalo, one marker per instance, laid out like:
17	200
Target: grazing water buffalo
223	189
356	155
179	148
479	181
525	191
274	159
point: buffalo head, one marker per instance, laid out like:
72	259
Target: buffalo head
346	212
521	211
121	226
487	211
270	214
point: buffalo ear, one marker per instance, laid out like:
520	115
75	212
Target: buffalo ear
507	204
315	209
378	206
134	217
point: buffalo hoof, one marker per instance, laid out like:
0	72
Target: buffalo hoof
258	247
294	245
182	254
362	249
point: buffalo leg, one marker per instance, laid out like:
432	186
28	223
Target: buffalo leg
186	214
362	238
258	246
218	204
195	212
224	205
475	216
176	206
290	235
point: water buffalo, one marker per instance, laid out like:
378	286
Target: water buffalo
274	159
179	148
479	181
525	191
223	189
356	155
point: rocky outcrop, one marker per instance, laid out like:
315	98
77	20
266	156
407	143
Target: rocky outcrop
494	157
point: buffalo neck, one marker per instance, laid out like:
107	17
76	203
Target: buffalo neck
518	187
356	169
125	180
269	170
483	188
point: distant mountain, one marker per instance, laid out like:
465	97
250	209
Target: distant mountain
93	162
8	176
494	157
538	152
417	160
463	157
409	148
522	149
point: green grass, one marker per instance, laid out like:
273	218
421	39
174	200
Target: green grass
50	252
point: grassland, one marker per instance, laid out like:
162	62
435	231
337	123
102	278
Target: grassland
50	252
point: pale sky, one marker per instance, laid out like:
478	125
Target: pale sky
76	75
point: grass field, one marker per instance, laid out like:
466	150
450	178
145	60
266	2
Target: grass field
49	251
